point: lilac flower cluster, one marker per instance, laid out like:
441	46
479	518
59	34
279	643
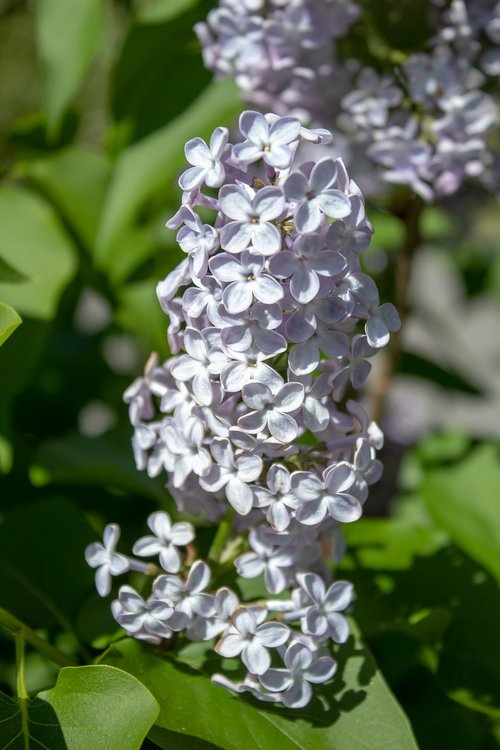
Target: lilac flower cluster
423	122
282	54
181	604
425	126
271	320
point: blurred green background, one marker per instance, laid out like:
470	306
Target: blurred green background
97	98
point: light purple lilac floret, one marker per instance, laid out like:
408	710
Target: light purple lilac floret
269	321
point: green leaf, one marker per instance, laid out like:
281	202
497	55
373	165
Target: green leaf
28	725
32	239
93	707
154	11
146	95
463	500
102	708
9	273
67	33
106	460
410	581
43	575
356	713
152	163
75	180
9	321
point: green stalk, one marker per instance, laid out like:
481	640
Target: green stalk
24	633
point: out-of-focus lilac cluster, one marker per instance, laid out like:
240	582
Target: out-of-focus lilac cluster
423	121
282	53
271	321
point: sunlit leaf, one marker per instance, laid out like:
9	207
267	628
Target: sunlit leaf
68	33
102	708
9	321
75	179
463	499
33	240
153	163
356	712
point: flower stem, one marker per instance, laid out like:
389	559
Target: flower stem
219	541
24	633
410	213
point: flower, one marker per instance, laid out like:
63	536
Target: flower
251	639
106	560
167	537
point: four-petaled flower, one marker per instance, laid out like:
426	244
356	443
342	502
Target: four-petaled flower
322	618
167	537
251	639
106	560
206	160
268	142
314	196
251	218
303	666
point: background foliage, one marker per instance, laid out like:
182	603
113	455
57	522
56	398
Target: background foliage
97	100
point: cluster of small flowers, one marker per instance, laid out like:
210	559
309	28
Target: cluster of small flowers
181	604
281	53
426	124
246	418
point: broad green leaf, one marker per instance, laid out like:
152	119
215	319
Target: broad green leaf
463	500
33	240
410	581
154	11
9	321
9	273
29	725
43	575
68	34
153	163
146	95
356	712
75	180
102	708
106	461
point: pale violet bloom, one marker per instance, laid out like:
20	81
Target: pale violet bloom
367	468
198	241
225	604
245	280
254	330
198	364
206	160
272	410
271	143
145	620
278	498
106	560
305	264
204	296
303	667
382	320
314	196
250	685
251	218
323	618
234	474
370	102
251	639
272	560
305	356
358	368
167	537
249	367
187	597
315	412
184	442
320	497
